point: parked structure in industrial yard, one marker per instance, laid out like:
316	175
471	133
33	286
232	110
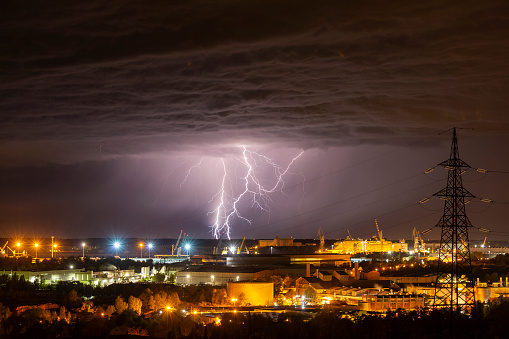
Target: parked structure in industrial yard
354	246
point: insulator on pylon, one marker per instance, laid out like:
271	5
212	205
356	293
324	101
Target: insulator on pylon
427	231
483	230
485	200
466	202
424	200
482	170
429	170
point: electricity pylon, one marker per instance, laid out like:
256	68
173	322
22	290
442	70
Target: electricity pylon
454	288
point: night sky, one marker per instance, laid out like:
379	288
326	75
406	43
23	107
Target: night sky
106	105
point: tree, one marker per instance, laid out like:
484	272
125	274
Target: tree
4	312
120	304
278	283
64	315
110	310
135	304
242	299
147	299
72	300
219	296
158	277
310	294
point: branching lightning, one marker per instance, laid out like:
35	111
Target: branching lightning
252	188
188	173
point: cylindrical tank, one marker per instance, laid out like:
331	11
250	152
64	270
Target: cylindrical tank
252	293
363	306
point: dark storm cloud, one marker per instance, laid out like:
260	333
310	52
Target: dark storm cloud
140	77
87	84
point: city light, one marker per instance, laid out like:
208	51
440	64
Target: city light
187	247
36	245
83	245
141	250
149	248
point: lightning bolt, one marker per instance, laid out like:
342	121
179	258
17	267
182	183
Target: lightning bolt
252	188
188	173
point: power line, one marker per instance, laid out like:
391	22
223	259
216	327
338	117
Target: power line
333	215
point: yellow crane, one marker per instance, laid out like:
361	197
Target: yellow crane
322	238
380	237
4	246
240	248
378	231
484	242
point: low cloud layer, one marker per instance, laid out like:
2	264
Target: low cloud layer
136	77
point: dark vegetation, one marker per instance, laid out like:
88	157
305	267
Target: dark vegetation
487	323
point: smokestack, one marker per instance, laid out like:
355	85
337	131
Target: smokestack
308	270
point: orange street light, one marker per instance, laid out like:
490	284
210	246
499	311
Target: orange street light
141	250
83	245
36	245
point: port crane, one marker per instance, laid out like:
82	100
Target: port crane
378	231
321	236
380	237
176	246
240	248
218	249
4	246
418	242
484	242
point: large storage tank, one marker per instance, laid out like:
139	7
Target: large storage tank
253	293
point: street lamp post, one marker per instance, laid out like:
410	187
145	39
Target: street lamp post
116	245
149	248
36	245
141	250
83	245
168	308
188	247
17	248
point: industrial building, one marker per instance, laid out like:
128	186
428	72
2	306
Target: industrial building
275	242
48	277
221	275
353	246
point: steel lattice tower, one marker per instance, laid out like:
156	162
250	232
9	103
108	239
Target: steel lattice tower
454	288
